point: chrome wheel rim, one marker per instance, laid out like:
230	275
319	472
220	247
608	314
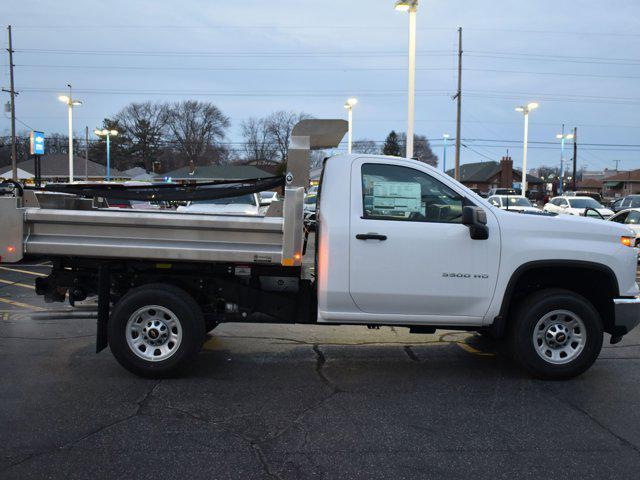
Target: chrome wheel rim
559	337
154	333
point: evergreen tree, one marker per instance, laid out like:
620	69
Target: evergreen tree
392	145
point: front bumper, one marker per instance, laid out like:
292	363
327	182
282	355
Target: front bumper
627	316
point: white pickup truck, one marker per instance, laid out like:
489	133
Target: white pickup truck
398	243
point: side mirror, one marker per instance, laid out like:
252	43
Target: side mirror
476	219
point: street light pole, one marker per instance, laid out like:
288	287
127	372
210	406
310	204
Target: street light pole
70	110
525	109
410	6
349	104
562	137
71	102
445	137
107	133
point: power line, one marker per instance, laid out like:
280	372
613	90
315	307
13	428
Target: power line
324	27
530	55
150	53
231	68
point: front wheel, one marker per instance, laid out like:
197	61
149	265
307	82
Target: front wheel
555	334
156	330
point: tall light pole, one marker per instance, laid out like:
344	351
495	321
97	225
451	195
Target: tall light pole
349	104
562	137
410	6
445	137
107	133
71	102
526	109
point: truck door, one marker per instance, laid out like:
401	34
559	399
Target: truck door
409	252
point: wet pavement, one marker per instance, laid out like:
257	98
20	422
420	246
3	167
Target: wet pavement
298	402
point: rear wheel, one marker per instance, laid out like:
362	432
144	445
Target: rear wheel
555	334
156	330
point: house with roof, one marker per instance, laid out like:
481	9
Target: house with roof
55	168
487	175
621	184
591	185
208	173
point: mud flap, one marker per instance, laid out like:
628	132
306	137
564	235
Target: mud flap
104	300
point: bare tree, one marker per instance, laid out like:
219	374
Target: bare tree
143	124
316	158
258	145
365	146
421	149
195	127
279	126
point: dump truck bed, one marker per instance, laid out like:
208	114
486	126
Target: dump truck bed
153	235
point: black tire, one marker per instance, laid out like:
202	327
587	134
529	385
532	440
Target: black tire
532	310
188	315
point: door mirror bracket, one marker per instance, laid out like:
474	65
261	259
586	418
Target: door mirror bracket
476	219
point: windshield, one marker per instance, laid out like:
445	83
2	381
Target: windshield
310	200
516	202
248	199
583	202
267	195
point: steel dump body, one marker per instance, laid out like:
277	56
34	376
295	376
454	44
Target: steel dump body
153	235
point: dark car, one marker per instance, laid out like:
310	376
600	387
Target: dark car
630	201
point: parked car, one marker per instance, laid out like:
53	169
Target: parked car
266	198
581	193
582	206
248	204
309	211
516	203
477	191
313	190
503	191
623	203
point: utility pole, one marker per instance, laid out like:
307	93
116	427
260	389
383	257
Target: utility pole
86	153
575	155
617	162
14	158
458	96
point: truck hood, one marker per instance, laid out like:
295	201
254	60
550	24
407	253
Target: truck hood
561	226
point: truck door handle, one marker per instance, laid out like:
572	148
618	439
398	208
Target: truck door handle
371	236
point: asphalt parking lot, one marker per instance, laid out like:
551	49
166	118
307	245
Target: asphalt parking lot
292	402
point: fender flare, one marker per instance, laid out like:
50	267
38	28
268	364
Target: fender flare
498	326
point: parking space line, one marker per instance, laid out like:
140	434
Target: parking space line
17	284
23	305
23	271
468	348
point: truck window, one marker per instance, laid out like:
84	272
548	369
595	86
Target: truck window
392	192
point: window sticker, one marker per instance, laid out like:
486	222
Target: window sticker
397	198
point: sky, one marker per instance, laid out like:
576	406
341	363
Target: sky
579	60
